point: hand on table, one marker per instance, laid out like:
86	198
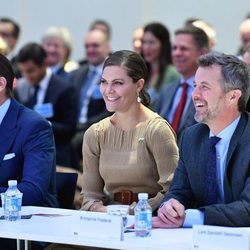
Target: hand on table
170	215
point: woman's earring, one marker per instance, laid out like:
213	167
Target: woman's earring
138	98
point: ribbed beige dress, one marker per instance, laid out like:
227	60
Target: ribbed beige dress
140	160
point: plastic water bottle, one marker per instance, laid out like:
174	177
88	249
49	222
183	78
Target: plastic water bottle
143	216
13	202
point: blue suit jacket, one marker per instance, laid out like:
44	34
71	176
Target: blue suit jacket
63	98
97	108
189	178
27	154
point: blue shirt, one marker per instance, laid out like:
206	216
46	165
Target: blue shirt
3	109
195	216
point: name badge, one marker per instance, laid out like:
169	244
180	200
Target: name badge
97	226
45	109
223	238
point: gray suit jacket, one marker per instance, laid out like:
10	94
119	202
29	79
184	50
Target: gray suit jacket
188	182
164	104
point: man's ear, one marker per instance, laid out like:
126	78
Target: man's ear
235	95
3	83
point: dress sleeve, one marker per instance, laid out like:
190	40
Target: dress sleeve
162	144
93	184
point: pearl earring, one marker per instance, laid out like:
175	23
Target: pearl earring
138	99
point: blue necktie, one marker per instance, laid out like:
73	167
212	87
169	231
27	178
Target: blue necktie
87	83
211	174
33	98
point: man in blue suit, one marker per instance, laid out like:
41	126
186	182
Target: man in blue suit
27	151
211	184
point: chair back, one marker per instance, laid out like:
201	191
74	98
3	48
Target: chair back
65	187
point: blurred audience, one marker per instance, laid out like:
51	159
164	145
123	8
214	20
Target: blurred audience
57	43
86	79
244	36
209	30
156	50
102	25
137	40
49	95
175	103
3	47
9	32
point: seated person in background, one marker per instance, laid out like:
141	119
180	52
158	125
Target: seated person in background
10	32
211	184
50	96
86	79
137	39
174	103
132	151
156	51
27	151
57	43
244	36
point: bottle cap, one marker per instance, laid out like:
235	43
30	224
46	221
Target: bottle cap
12	183
142	196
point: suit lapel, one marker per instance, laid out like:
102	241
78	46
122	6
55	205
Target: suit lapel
50	92
232	147
170	93
189	114
8	129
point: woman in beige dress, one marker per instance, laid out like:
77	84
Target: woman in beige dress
132	151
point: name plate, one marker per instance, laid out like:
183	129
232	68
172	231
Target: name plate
97	226
219	238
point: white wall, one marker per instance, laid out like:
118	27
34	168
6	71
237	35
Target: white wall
124	15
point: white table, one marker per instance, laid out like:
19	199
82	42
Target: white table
59	230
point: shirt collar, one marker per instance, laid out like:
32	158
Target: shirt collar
227	132
189	81
97	68
55	68
43	84
3	109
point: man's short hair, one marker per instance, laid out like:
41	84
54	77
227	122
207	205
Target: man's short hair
16	27
199	36
103	23
235	74
32	52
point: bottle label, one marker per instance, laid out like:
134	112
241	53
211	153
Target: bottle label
13	204
144	220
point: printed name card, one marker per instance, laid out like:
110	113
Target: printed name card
97	226
219	238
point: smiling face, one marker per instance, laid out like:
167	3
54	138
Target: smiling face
211	103
97	47
118	90
185	53
55	49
